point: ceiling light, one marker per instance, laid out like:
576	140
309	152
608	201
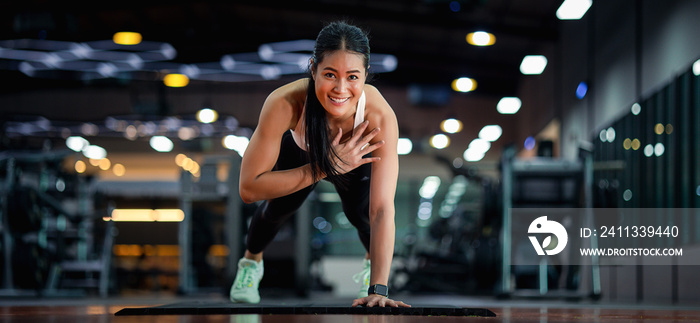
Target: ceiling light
491	132
696	68
207	116
176	80
509	105
573	9
464	84
451	125
127	38
533	64
481	38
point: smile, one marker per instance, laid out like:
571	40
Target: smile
339	100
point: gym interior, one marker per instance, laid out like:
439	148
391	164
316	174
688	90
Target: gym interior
122	129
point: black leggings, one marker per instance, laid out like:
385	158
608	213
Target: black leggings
271	214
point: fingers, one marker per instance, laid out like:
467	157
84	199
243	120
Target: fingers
336	140
370	148
372	301
366	139
360	130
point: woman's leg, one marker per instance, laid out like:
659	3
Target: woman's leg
272	214
269	219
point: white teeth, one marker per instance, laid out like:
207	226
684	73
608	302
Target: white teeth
338	100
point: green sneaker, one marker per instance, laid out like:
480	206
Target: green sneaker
363	278
248	277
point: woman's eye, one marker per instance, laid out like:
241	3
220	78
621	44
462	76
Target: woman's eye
353	77
330	75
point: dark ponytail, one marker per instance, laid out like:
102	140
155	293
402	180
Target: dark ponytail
335	36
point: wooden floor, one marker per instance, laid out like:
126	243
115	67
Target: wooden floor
102	310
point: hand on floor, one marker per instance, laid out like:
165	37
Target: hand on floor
377	300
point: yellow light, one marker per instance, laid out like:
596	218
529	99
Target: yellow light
659	129
94	162
180	159
636	144
481	38
126	250
219	250
627	144
187	164
195	168
119	170
80	166
147	215
669	129
176	80
127	38
104	164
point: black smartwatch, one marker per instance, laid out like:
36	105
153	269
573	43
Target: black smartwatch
379	289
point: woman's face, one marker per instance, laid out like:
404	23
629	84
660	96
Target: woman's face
340	80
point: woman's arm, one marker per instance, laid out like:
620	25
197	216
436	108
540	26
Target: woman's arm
257	180
382	192
279	114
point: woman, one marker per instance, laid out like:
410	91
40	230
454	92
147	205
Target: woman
325	126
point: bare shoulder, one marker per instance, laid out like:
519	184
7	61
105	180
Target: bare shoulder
285	103
377	106
293	93
379	113
374	97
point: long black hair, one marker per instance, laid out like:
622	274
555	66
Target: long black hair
335	36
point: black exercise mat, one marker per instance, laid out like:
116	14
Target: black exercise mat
209	308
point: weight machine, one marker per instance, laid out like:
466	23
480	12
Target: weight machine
48	228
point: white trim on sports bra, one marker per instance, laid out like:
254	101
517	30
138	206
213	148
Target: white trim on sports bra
359	112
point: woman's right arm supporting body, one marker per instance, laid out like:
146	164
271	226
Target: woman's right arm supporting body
258	181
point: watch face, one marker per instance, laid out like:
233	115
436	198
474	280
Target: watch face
379	290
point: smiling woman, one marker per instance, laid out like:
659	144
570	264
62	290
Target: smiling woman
325	126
